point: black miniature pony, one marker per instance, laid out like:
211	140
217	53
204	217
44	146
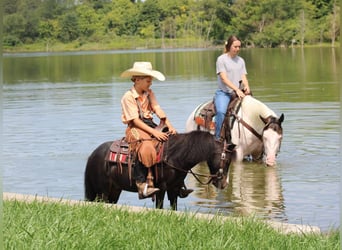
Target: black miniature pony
105	180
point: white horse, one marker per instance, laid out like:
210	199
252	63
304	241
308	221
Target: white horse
255	129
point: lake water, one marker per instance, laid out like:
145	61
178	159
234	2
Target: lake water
58	107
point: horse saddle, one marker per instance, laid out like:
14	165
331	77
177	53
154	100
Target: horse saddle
205	113
120	152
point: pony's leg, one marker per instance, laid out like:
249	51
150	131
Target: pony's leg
160	199
172	196
114	195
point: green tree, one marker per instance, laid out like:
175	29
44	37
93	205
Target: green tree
13	28
51	9
150	15
121	19
88	20
28	9
262	23
224	15
10	7
69	30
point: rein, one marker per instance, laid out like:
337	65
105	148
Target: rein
197	175
250	128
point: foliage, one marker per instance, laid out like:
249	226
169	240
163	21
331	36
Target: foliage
263	23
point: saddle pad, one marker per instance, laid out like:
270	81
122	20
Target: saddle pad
205	115
119	151
116	157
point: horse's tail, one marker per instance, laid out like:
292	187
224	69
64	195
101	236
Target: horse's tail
89	189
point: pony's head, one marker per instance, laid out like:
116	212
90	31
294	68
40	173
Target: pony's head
272	136
220	162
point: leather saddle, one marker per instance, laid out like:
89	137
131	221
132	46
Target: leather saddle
205	114
120	152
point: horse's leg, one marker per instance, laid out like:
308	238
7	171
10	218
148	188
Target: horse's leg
238	154
114	195
172	196
160	199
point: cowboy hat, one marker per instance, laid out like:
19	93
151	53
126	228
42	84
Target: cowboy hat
143	69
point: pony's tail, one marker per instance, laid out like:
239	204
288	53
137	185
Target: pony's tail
89	189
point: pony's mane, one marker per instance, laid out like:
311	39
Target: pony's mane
186	145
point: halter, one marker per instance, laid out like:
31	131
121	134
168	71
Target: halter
218	175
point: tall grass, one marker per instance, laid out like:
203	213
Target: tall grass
39	225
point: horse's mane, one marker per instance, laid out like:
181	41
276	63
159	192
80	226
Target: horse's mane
253	108
187	145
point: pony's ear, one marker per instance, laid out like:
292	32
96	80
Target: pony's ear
281	118
231	147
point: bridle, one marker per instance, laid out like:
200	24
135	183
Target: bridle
219	174
246	125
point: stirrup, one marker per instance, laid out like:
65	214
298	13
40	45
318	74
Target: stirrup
147	192
183	192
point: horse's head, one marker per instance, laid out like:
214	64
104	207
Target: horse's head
219	164
271	136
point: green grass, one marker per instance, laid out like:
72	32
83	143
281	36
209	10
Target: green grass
39	225
117	44
121	43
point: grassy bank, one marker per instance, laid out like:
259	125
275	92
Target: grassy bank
38	225
117	44
121	43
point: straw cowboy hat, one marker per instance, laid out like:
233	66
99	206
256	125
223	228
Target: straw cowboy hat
143	69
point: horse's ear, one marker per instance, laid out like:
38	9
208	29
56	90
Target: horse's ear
263	119
281	118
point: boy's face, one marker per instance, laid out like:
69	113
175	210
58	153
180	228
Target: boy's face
144	82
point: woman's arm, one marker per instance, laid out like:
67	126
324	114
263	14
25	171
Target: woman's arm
245	85
226	81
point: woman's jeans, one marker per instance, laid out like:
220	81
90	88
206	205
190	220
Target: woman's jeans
221	101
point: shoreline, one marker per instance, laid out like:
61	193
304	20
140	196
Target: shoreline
284	228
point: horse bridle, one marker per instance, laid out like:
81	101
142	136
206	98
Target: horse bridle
250	128
218	175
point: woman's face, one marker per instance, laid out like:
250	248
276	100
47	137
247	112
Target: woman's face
235	48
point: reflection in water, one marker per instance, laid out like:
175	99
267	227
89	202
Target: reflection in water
253	190
256	189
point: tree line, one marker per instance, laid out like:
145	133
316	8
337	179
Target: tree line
262	23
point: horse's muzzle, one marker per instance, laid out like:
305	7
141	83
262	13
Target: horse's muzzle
270	161
220	181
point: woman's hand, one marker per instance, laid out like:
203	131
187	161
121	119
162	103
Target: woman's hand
247	90
239	93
